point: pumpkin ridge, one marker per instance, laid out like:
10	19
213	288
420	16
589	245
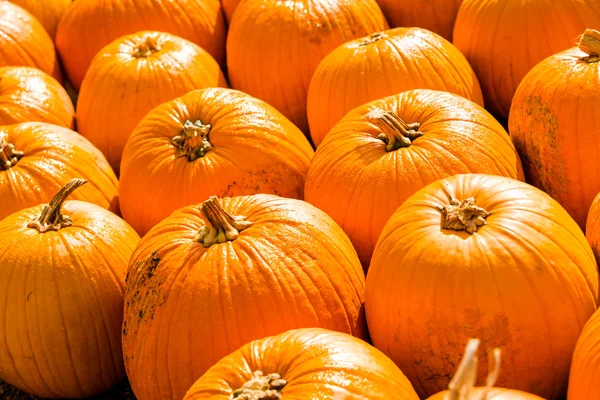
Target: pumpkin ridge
9	156
590	44
51	218
261	387
463	215
396	132
224	227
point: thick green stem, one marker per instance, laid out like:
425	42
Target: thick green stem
463	215
51	218
8	155
222	226
193	141
590	44
261	387
396	132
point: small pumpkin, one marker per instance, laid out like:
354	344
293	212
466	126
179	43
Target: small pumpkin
559	95
592	227
131	76
274	46
435	15
462	386
361	70
584	379
481	256
24	42
504	39
48	13
219	275
90	25
309	363
381	153
30	95
62	279
37	159
210	141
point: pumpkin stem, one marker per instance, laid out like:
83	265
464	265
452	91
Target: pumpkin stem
396	133
373	37
590	44
463	382
463	215
51	218
193	141
146	46
8	155
261	387
223	226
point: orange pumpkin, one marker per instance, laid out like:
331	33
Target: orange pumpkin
37	159
360	71
274	46
62	279
592	227
209	142
559	95
584	380
130	77
90	25
229	7
504	39
481	256
310	363
384	151
29	94
435	15
47	12
24	42
211	278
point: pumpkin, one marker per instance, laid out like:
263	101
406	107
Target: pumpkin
559	95
48	13
274	46
62	279
24	42
359	71
37	159
29	94
211	278
131	76
481	256
90	25
437	16
229	7
381	153
462	386
584	380
592	227
210	141
504	39
309	363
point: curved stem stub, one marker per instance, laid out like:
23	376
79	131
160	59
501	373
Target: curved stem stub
8	155
396	132
590	44
463	215
462	384
261	387
222	226
51	218
193	141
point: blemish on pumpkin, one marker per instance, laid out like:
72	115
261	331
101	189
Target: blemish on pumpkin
29	295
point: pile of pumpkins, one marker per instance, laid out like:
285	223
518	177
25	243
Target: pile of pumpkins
165	217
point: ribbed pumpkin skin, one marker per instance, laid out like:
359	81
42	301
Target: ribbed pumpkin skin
229	7
47	12
360	185
52	156
30	95
592	227
502	39
364	70
435	15
528	269
255	150
584	380
121	88
274	46
187	306
90	25
492	394
318	365
554	120
61	300
24	42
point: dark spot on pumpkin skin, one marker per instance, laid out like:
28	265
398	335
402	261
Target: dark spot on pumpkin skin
29	295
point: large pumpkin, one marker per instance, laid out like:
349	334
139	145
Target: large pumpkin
481	256
504	39
383	64
211	278
90	25
24	42
37	159
435	15
62	280
47	12
274	46
310	363
555	123
28	94
209	142
584	380
384	151
130	77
